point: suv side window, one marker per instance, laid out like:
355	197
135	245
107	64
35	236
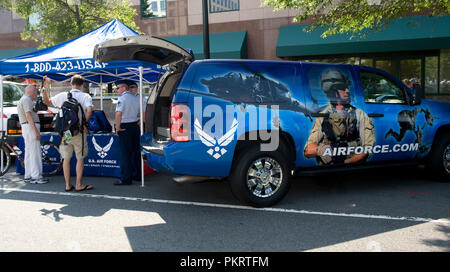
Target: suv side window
253	83
379	89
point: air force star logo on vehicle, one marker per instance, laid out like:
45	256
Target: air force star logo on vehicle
216	149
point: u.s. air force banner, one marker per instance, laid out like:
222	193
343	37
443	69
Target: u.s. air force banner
103	157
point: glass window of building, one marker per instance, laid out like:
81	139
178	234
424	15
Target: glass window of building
223	5
366	62
389	66
410	71
444	79
153	9
431	75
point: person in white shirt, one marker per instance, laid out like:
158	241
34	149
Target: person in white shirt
29	121
79	141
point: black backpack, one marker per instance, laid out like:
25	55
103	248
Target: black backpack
68	117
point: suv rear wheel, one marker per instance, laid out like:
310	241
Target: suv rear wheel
260	178
439	160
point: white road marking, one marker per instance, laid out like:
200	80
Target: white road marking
229	206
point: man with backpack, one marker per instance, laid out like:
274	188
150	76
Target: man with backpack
74	137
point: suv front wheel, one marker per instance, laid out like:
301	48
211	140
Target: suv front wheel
439	161
260	178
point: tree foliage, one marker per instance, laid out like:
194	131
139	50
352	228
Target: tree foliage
146	10
356	17
56	21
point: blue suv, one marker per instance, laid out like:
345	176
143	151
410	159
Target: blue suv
260	122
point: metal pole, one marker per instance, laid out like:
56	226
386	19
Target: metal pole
2	127
141	121
101	92
205	30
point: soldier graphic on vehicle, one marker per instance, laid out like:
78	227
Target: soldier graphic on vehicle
340	125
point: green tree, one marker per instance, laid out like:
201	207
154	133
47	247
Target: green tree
56	21
146	10
356	17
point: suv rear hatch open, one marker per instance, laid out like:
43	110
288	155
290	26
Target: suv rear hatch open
159	51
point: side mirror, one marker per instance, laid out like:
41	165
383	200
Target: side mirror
416	95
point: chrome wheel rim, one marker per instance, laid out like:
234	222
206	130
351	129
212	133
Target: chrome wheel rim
446	159
264	177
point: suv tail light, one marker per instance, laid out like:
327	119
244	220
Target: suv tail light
179	122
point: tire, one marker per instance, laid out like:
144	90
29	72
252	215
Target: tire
260	178
7	160
51	159
439	158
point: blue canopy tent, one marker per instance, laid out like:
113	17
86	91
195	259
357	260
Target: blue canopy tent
60	62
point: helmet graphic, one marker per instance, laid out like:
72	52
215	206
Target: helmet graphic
333	80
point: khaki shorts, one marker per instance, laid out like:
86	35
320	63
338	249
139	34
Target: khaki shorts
74	145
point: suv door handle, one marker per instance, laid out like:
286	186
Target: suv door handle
376	115
318	114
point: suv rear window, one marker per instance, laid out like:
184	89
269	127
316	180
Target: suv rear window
254	83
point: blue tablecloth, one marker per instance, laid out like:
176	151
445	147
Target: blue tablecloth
103	157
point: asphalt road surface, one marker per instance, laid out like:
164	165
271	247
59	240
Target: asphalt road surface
384	210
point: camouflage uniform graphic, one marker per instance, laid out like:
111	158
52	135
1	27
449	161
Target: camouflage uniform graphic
348	127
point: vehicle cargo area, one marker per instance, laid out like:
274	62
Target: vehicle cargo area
158	107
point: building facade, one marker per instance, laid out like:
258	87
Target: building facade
415	49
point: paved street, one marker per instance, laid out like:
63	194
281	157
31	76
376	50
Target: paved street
383	210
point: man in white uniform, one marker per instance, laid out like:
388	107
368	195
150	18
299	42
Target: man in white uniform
29	121
79	141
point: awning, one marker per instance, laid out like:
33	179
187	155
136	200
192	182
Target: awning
5	54
227	45
405	34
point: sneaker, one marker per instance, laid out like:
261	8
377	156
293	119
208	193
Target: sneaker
39	181
27	180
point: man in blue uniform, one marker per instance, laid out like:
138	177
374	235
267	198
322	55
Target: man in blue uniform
136	156
127	128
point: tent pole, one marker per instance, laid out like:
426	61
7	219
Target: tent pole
3	132
141	120
101	92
